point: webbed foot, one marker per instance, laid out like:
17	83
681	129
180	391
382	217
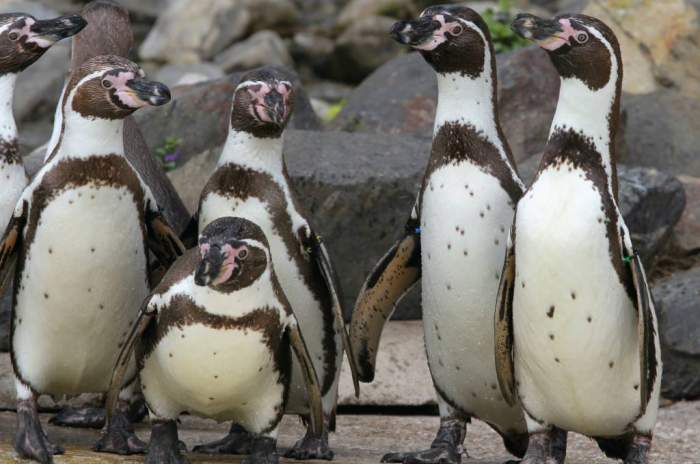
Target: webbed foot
444	455
120	437
264	451
165	446
90	418
311	447
638	452
238	441
30	440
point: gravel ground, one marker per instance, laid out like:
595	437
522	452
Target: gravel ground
362	439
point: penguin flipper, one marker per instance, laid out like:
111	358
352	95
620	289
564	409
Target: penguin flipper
319	254
390	280
163	240
9	246
143	320
645	328
190	234
313	387
505	367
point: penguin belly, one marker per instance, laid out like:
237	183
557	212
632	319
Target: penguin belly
466	217
83	282
13	180
575	335
220	373
306	307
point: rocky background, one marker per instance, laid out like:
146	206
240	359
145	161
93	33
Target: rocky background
360	136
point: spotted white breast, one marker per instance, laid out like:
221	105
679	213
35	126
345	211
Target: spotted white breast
13	180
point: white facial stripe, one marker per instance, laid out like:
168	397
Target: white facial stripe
245	84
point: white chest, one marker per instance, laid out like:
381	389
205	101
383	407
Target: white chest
13	180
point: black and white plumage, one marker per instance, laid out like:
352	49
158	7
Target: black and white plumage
214	340
454	241
81	231
577	335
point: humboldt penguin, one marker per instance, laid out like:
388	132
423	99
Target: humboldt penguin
23	40
109	33
454	239
251	181
577	339
81	231
214	340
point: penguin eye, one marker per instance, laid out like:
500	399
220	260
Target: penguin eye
106	84
243	254
581	37
13	36
458	29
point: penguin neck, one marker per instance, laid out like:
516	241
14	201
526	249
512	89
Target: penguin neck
589	114
84	137
259	154
8	128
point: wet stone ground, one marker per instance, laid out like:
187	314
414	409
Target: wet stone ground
362	439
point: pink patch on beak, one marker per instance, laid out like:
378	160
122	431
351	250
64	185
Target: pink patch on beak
229	265
439	35
204	249
126	95
258	108
562	38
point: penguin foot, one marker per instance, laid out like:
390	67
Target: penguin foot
30	440
546	447
438	455
238	441
89	418
638	452
165	446
120	437
311	447
264	451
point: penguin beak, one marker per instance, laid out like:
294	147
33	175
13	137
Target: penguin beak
547	33
416	32
276	108
49	31
209	267
148	92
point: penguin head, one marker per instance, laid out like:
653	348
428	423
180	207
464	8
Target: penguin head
111	87
451	38
23	38
234	254
263	102
580	46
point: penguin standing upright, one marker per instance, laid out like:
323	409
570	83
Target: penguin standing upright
23	40
454	239
81	231
577	335
214	340
251	181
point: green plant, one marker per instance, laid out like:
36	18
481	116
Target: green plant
504	39
169	153
333	111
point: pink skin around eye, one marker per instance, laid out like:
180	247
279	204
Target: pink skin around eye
126	95
31	36
560	39
229	265
439	34
258	104
204	249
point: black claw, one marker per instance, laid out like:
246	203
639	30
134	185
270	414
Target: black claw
120	438
238	441
165	446
30	440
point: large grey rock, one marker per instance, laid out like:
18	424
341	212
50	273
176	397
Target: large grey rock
357	10
678	307
662	132
148	8
400	97
261	48
187	74
189	31
687	231
198	115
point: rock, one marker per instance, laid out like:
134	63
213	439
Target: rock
312	50
187	74
678	307
687	231
667	54
262	48
400	97
362	48
188	32
33	7
198	115
662	131
148	8
357	10
329	91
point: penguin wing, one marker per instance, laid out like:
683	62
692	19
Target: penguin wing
646	328
390	280
505	367
163	240
313	387
146	316
10	244
190	234
319	253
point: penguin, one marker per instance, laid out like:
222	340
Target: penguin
578	342
251	181
214	340
23	40
454	240
80	233
109	33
